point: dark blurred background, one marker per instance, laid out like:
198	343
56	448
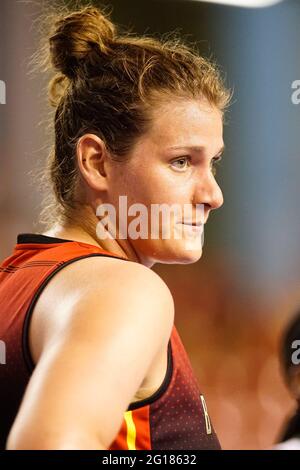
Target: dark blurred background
231	306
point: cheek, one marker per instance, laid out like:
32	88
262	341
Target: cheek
152	184
160	185
142	185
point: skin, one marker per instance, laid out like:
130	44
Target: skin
293	382
190	180
96	348
91	329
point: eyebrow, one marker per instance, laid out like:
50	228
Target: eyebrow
195	148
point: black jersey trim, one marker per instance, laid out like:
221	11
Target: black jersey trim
39	238
162	389
25	346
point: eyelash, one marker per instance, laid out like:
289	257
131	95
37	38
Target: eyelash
186	158
215	161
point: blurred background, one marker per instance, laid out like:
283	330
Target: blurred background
231	306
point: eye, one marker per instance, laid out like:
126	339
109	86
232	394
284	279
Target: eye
181	163
215	161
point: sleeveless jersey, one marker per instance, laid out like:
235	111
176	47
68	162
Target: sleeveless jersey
174	417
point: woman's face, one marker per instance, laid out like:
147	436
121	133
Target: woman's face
173	163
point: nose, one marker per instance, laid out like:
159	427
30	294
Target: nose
209	193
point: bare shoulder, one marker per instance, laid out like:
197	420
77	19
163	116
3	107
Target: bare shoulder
96	331
97	290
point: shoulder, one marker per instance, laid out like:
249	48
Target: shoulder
118	287
101	327
104	271
101	294
103	277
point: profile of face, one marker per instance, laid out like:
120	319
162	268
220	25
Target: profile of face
171	165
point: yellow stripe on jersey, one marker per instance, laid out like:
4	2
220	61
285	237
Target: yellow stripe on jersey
131	430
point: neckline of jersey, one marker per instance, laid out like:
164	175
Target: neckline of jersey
38	239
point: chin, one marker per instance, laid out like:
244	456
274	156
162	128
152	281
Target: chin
186	250
185	256
172	252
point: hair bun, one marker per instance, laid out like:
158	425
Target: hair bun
77	36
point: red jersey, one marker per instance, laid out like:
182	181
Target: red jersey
174	417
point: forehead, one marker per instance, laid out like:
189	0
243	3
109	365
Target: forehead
186	123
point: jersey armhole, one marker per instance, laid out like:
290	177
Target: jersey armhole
163	387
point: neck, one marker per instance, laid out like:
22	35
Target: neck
86	232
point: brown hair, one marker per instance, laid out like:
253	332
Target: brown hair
106	83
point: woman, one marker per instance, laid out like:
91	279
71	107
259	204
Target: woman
94	360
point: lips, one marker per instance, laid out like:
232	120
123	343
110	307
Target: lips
195	224
198	224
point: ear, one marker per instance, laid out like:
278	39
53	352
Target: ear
91	157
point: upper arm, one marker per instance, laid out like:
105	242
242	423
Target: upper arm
92	365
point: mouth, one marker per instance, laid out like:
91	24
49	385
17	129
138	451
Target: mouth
193	224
